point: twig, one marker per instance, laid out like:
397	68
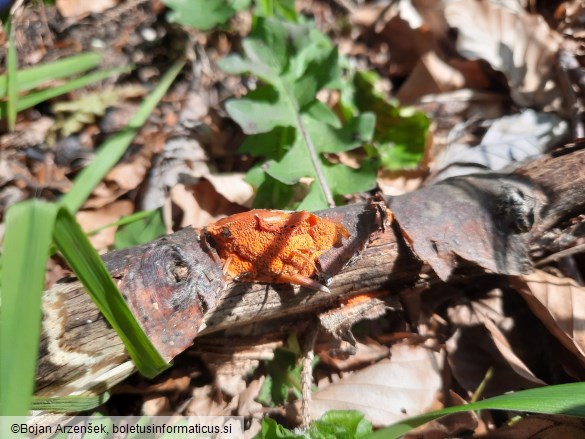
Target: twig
307	373
560	255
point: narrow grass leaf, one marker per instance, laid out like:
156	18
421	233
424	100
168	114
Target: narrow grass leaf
69	404
12	80
564	399
34	76
125	220
34	98
112	150
29	227
91	271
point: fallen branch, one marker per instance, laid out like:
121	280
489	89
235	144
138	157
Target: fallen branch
175	287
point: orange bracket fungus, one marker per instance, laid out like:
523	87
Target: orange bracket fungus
275	246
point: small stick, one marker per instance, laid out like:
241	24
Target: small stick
307	373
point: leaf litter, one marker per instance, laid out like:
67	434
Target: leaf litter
488	94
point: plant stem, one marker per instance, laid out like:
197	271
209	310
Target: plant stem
315	161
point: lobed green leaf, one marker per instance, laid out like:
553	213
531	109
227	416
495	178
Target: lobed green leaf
203	14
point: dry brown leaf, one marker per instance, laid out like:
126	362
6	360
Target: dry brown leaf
398	29
233	188
518	44
448	426
27	133
183	161
82	8
430	75
472	351
232	363
121	179
406	385
155	405
201	204
480	343
92	219
509	139
366	351
246	401
207	401
560	304
541	427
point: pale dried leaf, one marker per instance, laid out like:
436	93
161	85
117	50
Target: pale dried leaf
365	351
246	401
92	219
518	44
183	161
560	304
481	343
233	188
155	405
406	385
82	8
121	179
206	401
430	75
449	426
509	139
27	133
472	351
541	427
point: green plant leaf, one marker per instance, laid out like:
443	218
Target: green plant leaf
563	399
29	229
69	404
261	110
91	271
284	375
296	163
401	132
270	192
11	78
284	119
113	149
335	424
277	8
32	77
203	14
140	231
342	423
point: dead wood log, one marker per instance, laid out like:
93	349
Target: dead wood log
177	291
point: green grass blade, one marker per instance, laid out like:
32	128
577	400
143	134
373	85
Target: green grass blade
34	76
564	399
137	216
112	150
91	271
69	404
11	78
29	227
32	99
35	98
